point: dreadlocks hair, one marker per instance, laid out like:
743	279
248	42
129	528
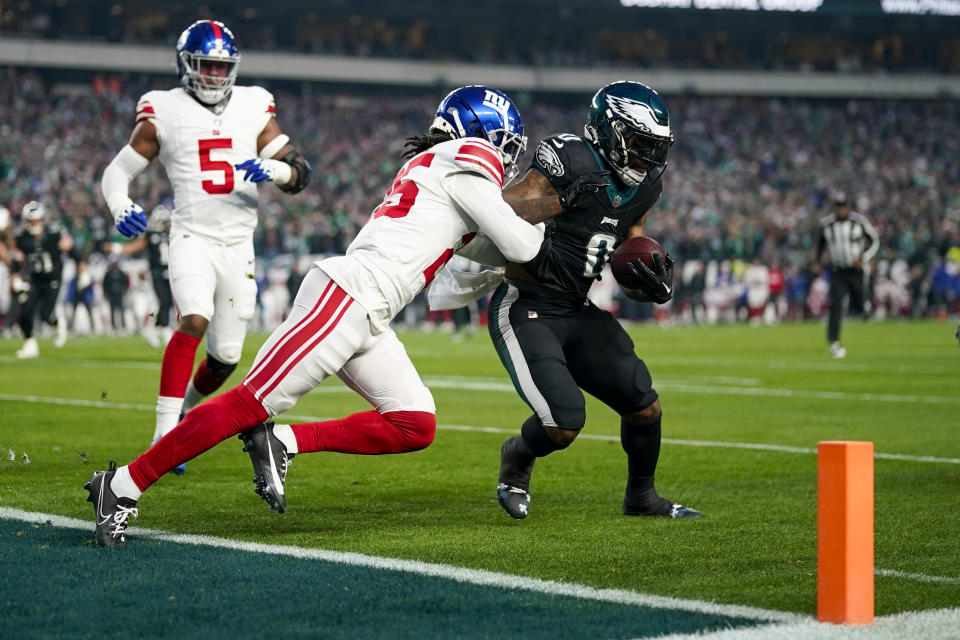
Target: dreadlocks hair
419	144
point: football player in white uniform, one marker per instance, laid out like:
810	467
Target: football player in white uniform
446	199
205	133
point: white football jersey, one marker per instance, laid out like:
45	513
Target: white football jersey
199	149
417	228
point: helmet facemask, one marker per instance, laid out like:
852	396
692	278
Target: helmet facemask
632	154
208	89
511	147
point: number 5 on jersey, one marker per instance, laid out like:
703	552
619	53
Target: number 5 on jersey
207	164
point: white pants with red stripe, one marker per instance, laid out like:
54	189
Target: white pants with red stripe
326	333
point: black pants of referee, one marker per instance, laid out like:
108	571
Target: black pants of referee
847	281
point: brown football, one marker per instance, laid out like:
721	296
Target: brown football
629	250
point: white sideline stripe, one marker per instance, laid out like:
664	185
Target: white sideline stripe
99	404
919	577
433	570
937	624
674	384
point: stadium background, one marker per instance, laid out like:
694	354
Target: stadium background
772	109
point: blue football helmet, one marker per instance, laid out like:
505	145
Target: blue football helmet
476	111
202	43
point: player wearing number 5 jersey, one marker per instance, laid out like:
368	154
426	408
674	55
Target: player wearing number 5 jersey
216	142
445	199
550	337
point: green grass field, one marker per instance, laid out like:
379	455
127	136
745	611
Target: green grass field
73	410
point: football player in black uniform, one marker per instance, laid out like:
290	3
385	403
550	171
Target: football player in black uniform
156	243
550	337
36	279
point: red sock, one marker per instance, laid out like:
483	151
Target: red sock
206	381
368	433
177	365
210	423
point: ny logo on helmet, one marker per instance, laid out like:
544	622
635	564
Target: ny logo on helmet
500	104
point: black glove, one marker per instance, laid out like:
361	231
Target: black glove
587	183
657	283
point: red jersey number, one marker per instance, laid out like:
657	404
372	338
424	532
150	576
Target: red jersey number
403	192
206	164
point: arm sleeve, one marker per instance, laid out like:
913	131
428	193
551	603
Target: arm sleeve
115	183
482	249
482	200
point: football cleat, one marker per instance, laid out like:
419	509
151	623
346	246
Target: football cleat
514	500
836	351
29	349
111	512
661	508
514	483
270	461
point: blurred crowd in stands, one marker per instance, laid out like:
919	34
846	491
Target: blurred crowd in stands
747	182
578	34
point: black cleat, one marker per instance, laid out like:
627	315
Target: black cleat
660	507
270	462
111	512
514	483
514	500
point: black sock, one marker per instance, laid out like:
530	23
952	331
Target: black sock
641	442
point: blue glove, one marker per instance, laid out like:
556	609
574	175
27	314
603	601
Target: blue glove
132	221
260	169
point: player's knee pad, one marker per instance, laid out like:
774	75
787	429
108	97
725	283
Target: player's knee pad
569	418
416	429
220	369
225	355
540	442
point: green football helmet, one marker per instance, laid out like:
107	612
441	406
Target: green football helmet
629	125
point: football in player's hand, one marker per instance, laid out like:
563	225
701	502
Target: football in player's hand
638	247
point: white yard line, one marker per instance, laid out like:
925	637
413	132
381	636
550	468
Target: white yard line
434	570
919	577
457	427
936	624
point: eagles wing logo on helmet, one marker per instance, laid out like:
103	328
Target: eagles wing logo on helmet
638	114
549	159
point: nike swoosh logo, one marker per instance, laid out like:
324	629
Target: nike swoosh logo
273	467
101	518
665	287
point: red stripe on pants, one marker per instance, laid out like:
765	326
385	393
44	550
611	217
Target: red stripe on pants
293	340
310	347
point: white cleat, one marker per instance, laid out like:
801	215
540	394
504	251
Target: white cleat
837	352
29	349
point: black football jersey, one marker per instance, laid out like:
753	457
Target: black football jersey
578	243
158	253
42	256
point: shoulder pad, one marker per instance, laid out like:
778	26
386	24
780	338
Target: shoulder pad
479	156
147	106
828	219
562	157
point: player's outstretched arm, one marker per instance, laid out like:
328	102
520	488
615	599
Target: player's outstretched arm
125	166
533	198
482	200
278	161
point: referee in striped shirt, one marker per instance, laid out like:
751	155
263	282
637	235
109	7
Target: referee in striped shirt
851	242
